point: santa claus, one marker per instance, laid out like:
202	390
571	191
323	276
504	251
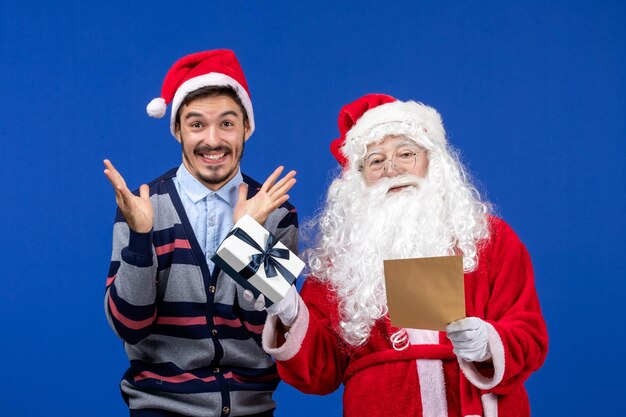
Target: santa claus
403	193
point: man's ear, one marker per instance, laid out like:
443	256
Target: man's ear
177	133
246	131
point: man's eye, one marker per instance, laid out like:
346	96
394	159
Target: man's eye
196	125
227	124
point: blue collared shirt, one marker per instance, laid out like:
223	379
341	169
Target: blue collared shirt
210	212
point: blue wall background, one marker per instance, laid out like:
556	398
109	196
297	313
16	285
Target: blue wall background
534	95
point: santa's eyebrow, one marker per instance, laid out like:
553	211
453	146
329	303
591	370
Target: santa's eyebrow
374	150
408	142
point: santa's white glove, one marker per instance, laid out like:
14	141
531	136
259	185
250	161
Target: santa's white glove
286	309
470	337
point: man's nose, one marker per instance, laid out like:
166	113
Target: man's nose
212	137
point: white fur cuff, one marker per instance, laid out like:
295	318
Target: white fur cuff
497	356
273	327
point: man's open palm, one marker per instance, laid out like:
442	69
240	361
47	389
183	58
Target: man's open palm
268	198
137	210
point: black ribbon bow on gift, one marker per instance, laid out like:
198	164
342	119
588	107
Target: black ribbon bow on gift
266	257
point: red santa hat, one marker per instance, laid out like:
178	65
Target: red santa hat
374	116
202	69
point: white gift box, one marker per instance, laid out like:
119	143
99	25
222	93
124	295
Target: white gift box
244	256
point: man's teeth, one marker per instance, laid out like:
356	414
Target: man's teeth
213	157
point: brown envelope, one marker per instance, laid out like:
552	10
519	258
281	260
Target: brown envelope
425	293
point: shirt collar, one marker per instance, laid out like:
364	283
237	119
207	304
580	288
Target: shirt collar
196	191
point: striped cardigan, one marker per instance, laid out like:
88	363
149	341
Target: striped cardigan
193	341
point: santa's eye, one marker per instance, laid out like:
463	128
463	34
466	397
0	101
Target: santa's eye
405	155
374	162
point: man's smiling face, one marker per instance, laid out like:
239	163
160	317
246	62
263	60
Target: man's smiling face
212	132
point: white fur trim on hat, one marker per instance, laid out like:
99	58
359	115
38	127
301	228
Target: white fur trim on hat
212	78
416	121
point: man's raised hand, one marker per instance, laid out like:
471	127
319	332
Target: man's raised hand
271	195
137	211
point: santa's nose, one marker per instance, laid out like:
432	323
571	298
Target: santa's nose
389	169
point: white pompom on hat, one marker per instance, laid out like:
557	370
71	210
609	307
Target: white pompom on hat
202	69
157	107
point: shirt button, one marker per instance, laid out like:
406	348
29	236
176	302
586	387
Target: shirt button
211	195
216	369
214	332
212	289
226	410
211	223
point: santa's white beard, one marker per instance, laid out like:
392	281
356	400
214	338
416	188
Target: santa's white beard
381	225
393	225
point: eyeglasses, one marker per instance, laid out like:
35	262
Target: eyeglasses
402	161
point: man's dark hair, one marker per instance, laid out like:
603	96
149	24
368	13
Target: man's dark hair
212	91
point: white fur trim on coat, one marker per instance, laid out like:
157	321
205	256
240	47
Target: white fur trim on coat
490	404
433	393
497	356
294	338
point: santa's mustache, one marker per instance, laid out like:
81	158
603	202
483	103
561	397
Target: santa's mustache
384	185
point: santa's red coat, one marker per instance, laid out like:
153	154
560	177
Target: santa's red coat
426	379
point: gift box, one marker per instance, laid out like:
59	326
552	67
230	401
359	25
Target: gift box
254	258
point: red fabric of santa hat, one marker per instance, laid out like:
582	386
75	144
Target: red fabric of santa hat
349	115
202	69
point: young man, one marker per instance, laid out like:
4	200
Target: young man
193	342
404	194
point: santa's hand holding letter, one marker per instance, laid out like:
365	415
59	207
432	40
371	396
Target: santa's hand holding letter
403	193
